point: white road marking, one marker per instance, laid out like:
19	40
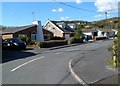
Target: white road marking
26	63
71	50
59	52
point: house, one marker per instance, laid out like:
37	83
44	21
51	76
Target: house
60	29
33	31
99	32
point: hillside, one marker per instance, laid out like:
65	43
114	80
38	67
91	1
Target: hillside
111	23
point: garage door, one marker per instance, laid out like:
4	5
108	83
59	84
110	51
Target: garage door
67	36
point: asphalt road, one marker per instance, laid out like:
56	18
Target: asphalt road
49	67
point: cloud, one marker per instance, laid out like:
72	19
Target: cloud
64	18
54	10
78	1
57	10
99	15
106	5
60	10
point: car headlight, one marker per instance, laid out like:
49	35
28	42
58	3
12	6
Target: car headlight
16	44
8	44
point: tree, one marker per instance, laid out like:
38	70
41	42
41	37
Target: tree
79	32
78	37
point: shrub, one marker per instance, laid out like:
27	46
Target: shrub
74	40
32	42
71	40
52	43
101	38
57	38
41	44
27	40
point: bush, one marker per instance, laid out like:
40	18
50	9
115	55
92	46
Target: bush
27	40
71	40
101	38
24	38
52	43
32	42
57	38
41	44
74	40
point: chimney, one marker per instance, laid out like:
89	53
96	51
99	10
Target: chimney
39	33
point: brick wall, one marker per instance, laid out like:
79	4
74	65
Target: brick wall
28	32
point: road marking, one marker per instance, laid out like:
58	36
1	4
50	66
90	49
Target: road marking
26	63
72	49
59	52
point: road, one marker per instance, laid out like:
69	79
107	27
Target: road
49	67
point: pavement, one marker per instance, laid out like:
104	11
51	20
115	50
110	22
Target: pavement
110	80
93	68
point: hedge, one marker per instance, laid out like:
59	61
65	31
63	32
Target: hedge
52	43
101	38
57	38
73	40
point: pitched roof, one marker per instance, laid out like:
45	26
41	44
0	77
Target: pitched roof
104	30
16	29
66	29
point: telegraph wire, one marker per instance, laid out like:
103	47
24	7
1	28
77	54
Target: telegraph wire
82	9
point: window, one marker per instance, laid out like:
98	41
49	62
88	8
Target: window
23	35
47	36
33	36
102	33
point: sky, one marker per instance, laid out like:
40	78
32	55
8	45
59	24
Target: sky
23	13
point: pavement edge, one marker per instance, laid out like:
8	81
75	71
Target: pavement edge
75	75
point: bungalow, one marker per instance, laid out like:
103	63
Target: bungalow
60	29
34	32
99	32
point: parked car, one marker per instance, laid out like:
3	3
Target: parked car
13	43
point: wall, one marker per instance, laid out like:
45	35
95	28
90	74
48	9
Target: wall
54	30
47	32
7	36
28	31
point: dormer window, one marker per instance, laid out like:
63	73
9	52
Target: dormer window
61	24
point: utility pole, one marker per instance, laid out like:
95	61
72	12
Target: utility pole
106	17
33	15
106	24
